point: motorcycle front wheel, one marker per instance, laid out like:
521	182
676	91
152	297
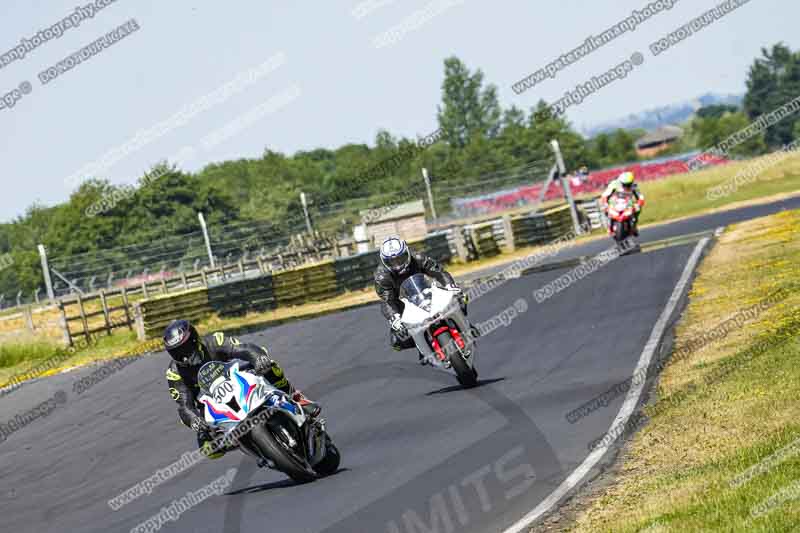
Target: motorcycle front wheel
466	376
284	459
621	231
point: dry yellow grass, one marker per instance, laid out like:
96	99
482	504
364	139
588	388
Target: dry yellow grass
47	320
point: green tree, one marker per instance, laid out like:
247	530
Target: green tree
545	127
468	109
513	142
716	110
609	149
774	80
711	131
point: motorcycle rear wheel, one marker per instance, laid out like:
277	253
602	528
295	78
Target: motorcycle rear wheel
330	463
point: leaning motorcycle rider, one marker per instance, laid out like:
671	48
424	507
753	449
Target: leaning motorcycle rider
189	352
624	183
397	264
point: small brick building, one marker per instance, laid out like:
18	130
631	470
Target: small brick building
406	220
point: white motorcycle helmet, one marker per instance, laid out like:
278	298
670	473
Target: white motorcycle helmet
395	255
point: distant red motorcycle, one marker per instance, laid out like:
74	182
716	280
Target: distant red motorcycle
622	207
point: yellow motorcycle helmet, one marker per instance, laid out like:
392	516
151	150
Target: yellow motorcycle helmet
626	179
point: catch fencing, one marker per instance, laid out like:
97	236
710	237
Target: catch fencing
252	286
332	278
595	182
287	288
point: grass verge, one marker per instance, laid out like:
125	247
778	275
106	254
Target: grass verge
686	194
12	355
709	456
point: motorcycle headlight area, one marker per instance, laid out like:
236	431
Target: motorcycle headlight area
233	404
277	401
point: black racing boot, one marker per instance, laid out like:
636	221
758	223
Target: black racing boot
209	446
422	360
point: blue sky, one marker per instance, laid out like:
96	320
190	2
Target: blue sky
333	84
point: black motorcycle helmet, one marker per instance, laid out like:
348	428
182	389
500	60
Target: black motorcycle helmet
183	343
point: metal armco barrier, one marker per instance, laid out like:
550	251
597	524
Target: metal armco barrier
239	297
153	315
435	245
304	284
356	272
482	241
541	228
590	209
244	286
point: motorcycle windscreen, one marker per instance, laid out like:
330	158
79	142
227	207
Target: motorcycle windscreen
417	290
208	374
442	301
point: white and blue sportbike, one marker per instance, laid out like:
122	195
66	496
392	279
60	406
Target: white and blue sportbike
246	411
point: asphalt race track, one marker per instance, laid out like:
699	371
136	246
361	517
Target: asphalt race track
419	453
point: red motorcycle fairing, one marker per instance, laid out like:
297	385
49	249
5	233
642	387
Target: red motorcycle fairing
437	348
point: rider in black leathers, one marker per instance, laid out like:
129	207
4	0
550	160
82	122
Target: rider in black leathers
189	352
397	264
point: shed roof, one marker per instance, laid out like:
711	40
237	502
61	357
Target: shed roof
406	210
660	135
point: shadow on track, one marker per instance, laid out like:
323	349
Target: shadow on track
282	484
456	388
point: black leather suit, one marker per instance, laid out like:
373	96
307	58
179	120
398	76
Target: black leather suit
387	285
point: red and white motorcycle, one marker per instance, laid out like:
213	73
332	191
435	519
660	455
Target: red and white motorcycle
622	207
434	319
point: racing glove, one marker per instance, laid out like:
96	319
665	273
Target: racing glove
263	364
462	297
199	425
397	324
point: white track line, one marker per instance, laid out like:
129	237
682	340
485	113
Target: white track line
628	406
